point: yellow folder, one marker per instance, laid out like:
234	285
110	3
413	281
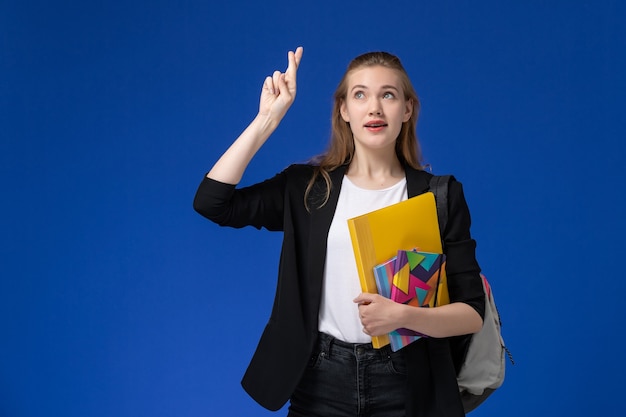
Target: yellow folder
377	236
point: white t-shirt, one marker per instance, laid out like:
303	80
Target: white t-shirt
339	315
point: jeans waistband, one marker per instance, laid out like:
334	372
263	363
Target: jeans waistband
327	343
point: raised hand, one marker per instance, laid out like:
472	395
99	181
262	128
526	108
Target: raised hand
279	90
278	93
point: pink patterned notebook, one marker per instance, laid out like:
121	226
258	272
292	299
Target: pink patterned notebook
413	278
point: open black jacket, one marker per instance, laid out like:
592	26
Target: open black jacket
288	340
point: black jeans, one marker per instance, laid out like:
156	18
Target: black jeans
349	380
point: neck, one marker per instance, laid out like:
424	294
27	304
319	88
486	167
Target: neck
375	171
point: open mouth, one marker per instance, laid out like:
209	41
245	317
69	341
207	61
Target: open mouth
377	124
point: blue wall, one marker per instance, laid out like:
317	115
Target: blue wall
116	299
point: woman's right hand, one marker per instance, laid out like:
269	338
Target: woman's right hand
279	90
278	93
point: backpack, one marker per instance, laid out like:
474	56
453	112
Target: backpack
480	357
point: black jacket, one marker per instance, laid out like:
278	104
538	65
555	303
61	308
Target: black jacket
289	337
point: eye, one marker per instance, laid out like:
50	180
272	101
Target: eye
359	95
389	95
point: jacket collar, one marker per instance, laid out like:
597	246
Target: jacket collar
320	219
417	181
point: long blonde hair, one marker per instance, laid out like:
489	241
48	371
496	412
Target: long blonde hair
341	148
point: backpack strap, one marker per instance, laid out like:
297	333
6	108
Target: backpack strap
439	187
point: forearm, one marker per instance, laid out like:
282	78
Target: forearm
232	164
380	315
444	321
277	95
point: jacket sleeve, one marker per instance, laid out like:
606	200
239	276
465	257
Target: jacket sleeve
259	205
464	281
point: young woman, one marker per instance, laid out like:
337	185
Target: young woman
316	350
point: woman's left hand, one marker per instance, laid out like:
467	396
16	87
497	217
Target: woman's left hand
379	315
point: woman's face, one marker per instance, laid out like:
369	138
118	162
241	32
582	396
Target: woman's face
375	107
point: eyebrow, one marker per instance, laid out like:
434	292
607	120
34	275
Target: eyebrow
384	87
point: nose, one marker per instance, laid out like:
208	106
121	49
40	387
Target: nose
375	108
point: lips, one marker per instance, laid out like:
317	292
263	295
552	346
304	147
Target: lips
375	124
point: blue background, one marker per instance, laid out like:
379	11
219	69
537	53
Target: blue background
117	299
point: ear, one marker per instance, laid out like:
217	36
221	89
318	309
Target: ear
408	110
344	112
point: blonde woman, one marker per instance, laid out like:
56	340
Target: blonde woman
316	349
